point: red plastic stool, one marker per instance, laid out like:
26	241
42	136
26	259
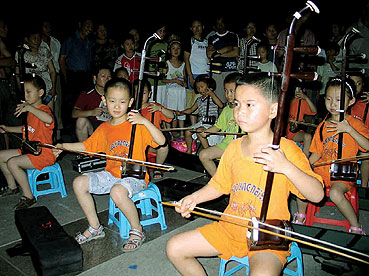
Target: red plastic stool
312	209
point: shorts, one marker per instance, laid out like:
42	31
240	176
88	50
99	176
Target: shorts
175	99
102	182
215	234
160	94
212	139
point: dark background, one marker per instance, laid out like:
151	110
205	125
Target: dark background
145	15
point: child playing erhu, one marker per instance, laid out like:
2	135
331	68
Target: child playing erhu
208	105
40	122
243	168
324	147
225	122
155	113
113	138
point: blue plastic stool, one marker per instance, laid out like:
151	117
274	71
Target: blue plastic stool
55	179
145	198
244	263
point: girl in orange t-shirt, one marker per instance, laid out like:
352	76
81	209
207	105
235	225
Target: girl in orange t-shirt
40	123
324	147
242	174
301	105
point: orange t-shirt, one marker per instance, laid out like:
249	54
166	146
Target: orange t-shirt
358	111
327	146
41	132
158	118
115	140
292	115
245	181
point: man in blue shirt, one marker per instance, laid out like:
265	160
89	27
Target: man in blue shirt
75	62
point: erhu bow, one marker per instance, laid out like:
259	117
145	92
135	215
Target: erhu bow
259	240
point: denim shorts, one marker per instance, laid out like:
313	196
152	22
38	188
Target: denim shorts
101	183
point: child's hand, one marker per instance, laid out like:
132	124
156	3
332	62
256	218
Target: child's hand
186	203
273	160
339	127
2	129
134	117
209	92
364	97
23	107
179	113
152	107
300	95
57	152
97	111
201	133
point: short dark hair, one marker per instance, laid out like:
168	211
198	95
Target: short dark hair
268	85
100	66
208	80
232	77
36	80
118	83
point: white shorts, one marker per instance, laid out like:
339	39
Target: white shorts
101	183
160	94
176	99
212	139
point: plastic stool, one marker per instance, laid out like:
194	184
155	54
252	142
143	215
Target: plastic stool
55	179
146	206
244	263
312	209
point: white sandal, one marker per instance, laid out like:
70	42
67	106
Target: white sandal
136	242
95	234
358	229
299	215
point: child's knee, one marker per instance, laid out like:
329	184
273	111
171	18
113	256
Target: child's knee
307	137
81	183
173	247
118	193
336	195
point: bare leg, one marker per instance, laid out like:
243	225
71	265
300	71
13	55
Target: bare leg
301	208
85	200
337	195
5	155
204	141
162	154
17	166
265	263
306	139
181	125
119	195
188	139
183	249
83	129
207	157
364	169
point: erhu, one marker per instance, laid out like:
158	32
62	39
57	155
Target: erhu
135	170
246	57
259	240
345	171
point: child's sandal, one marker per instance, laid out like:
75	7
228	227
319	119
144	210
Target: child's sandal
136	242
299	215
360	230
95	234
